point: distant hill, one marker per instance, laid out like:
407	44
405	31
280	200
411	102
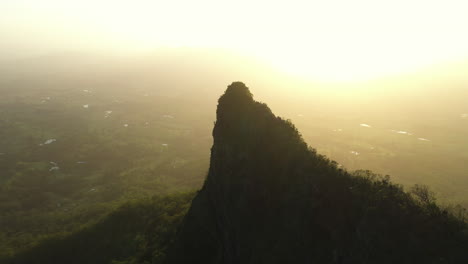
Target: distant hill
269	198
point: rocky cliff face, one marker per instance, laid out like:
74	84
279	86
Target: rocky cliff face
268	198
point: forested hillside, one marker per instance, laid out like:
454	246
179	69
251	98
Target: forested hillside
137	232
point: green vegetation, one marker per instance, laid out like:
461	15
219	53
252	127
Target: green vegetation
136	232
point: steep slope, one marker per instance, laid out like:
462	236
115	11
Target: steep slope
268	198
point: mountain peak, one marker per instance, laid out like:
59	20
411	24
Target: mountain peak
237	99
269	198
239	90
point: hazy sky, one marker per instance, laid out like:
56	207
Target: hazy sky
325	39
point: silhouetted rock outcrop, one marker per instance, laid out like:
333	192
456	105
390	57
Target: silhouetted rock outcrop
269	198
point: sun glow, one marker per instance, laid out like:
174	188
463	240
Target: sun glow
320	40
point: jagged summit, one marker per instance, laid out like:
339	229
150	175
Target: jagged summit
269	198
235	98
234	106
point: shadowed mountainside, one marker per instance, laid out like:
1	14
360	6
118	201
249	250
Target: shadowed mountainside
268	198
